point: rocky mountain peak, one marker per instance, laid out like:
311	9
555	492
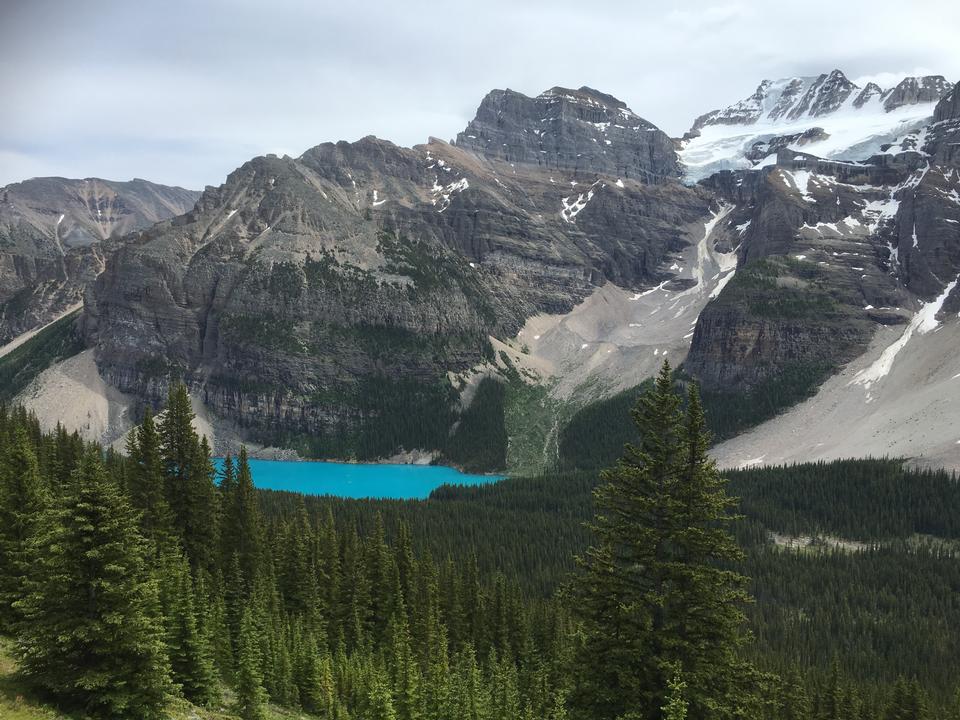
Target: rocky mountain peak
916	90
584	95
799	98
825	95
585	132
869	92
949	106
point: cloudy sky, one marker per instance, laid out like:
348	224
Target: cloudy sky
183	92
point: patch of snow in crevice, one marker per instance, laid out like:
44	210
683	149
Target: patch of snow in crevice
446	191
922	322
799	180
571	208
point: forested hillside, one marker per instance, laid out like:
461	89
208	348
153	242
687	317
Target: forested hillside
131	580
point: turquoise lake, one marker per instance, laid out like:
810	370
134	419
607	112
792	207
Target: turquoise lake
358	480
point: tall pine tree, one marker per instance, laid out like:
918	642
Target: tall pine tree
89	636
22	497
653	594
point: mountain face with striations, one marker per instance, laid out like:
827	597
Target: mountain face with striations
314	300
348	302
55	234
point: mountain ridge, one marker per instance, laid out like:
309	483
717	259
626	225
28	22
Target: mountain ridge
307	299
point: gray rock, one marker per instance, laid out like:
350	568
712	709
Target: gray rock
55	234
584	132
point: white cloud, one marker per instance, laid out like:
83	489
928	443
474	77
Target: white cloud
183	92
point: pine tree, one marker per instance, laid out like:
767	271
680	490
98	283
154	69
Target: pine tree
88	637
178	448
202	529
147	482
246	523
22	498
676	706
251	696
191	662
653	595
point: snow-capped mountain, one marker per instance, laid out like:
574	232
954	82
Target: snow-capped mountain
827	115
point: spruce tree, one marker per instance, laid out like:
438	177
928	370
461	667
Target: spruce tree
89	637
676	705
147	481
245	523
178	449
653	593
190	656
22	498
251	696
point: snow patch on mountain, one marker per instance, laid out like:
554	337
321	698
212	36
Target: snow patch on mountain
857	123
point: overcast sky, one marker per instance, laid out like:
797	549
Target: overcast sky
183	92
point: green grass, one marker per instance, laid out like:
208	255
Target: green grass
21	366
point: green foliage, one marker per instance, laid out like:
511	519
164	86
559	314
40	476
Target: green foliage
857	499
596	434
731	413
385	415
89	636
263	329
20	366
251	695
676	705
594	437
653	593
191	664
22	498
189	480
445	608
479	442
759	289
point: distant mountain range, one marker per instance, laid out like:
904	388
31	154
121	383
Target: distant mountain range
827	115
55	235
349	302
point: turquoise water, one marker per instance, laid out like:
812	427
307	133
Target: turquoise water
352	480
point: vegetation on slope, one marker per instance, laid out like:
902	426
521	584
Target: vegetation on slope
411	609
20	366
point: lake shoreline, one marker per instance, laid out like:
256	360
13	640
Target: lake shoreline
401	481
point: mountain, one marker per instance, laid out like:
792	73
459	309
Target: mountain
352	301
55	234
339	301
849	270
827	115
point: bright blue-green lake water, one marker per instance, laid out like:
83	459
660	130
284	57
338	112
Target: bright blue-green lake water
357	480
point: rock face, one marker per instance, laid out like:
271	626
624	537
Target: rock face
583	132
916	90
55	233
942	141
949	107
332	303
829	251
319	301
